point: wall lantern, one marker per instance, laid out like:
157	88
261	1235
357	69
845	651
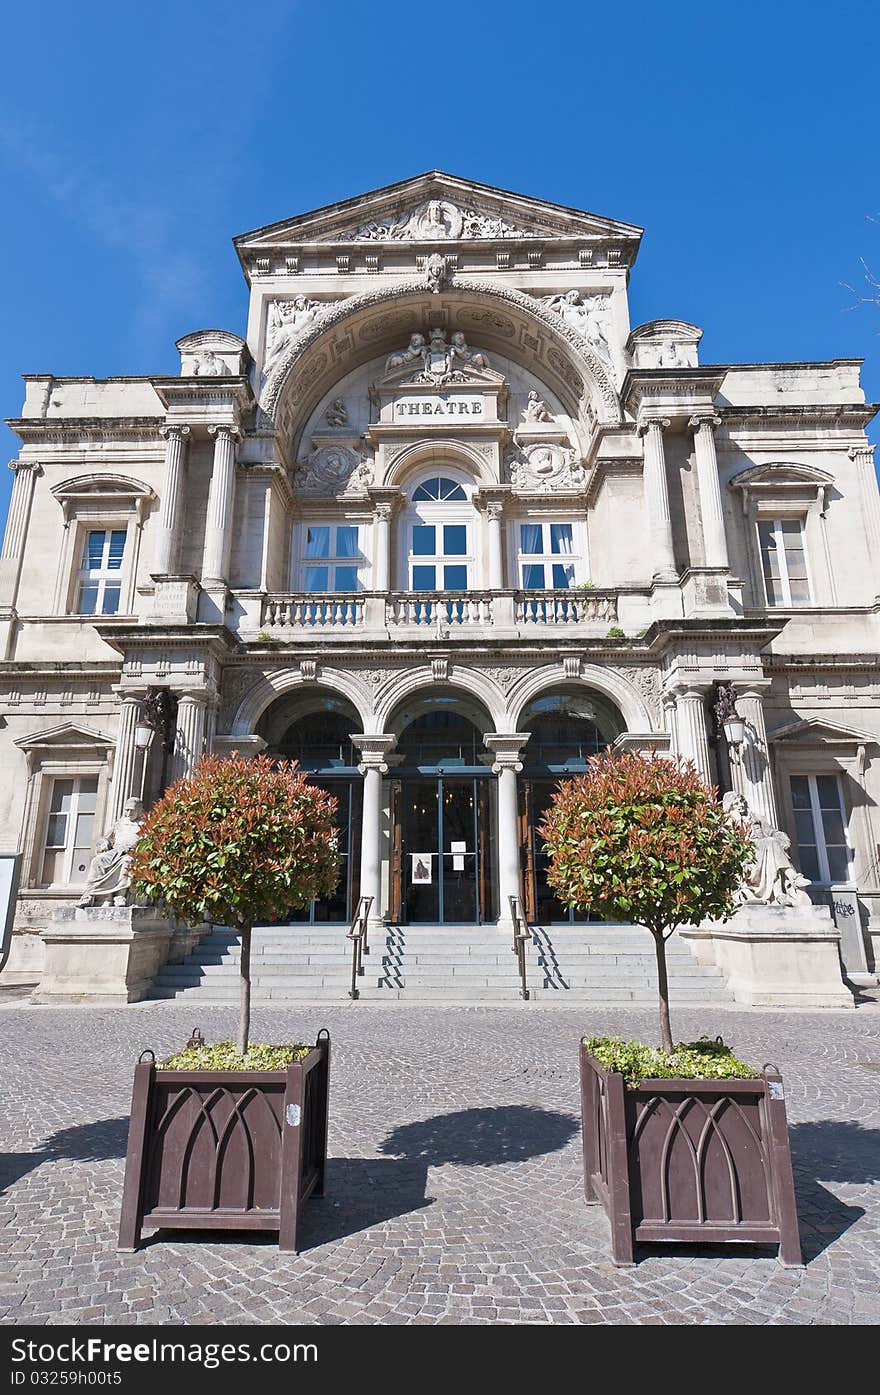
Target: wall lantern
727	717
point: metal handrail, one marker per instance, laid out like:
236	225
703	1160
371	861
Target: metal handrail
357	933
521	935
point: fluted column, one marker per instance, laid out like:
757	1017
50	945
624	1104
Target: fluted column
691	736
372	765
750	765
494	515
126	757
165	552
863	457
17	519
382	561
656	493
189	735
218	525
709	485
507	750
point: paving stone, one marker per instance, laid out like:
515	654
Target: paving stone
466	1217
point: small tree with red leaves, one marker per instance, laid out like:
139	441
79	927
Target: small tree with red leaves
644	841
237	842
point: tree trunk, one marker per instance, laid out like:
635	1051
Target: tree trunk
244	1014
662	991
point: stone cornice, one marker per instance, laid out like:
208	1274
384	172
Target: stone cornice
48	429
212	637
846	413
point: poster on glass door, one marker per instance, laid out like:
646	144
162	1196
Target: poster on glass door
422	869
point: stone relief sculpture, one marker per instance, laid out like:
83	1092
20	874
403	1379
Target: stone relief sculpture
534	467
415	350
438	219
109	874
588	315
286	319
536	409
337	413
333	470
206	364
670	356
459	353
437	361
437	272
770	878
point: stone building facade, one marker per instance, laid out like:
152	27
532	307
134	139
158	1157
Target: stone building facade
441	526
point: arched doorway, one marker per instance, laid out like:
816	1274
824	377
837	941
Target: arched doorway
316	731
566	727
442	866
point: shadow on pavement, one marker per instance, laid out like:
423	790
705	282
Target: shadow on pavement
97	1142
483	1137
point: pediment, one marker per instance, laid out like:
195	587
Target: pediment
782	472
438	208
69	736
827	731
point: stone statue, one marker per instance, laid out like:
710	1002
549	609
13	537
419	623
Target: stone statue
669	356
208	365
336	414
770	878
459	351
416	349
109	875
437	271
588	316
286	319
536	409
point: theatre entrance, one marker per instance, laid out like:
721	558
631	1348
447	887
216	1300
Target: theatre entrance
442	866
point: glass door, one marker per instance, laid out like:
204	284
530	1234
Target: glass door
443	858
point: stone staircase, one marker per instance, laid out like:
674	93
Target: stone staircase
441	964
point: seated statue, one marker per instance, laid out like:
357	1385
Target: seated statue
770	878
109	874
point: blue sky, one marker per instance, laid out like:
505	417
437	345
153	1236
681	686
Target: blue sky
137	140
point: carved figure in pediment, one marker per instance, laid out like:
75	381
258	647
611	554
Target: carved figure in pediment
286	319
437	272
536	409
438	219
206	364
415	350
459	353
337	413
587	315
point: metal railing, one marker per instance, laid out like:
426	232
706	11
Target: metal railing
357	933
521	937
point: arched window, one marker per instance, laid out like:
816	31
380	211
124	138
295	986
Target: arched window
439	537
439	488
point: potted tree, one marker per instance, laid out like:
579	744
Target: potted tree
681	1143
231	1135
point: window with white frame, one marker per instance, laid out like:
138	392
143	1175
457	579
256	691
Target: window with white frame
331	558
820	828
439	526
99	581
69	831
547	556
784	561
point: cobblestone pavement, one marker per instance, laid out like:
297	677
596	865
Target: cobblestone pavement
455	1190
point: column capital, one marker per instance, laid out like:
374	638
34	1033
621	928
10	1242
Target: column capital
385	499
34	465
176	430
647	423
374	749
863	452
700	419
129	695
692	690
507	748
221	429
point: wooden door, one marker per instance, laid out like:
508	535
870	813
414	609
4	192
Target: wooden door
484	847
395	888
527	848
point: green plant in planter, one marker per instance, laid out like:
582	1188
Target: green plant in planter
224	1055
644	840
237	842
695	1060
615	633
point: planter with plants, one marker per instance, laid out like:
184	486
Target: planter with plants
231	1135
684	1143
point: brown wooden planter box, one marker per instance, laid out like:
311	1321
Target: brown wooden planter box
703	1161
225	1150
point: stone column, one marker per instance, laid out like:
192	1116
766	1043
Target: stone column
709	485
17	519
691	737
656	490
494	515
750	766
863	456
215	559
126	759
382	560
373	766
507	749
189	736
164	556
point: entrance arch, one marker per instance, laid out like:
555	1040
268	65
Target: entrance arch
566	726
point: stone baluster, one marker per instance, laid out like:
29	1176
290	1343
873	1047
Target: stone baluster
126	756
373	765
709	485
17	519
656	493
218	525
507	764
164	557
750	765
189	736
691	736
